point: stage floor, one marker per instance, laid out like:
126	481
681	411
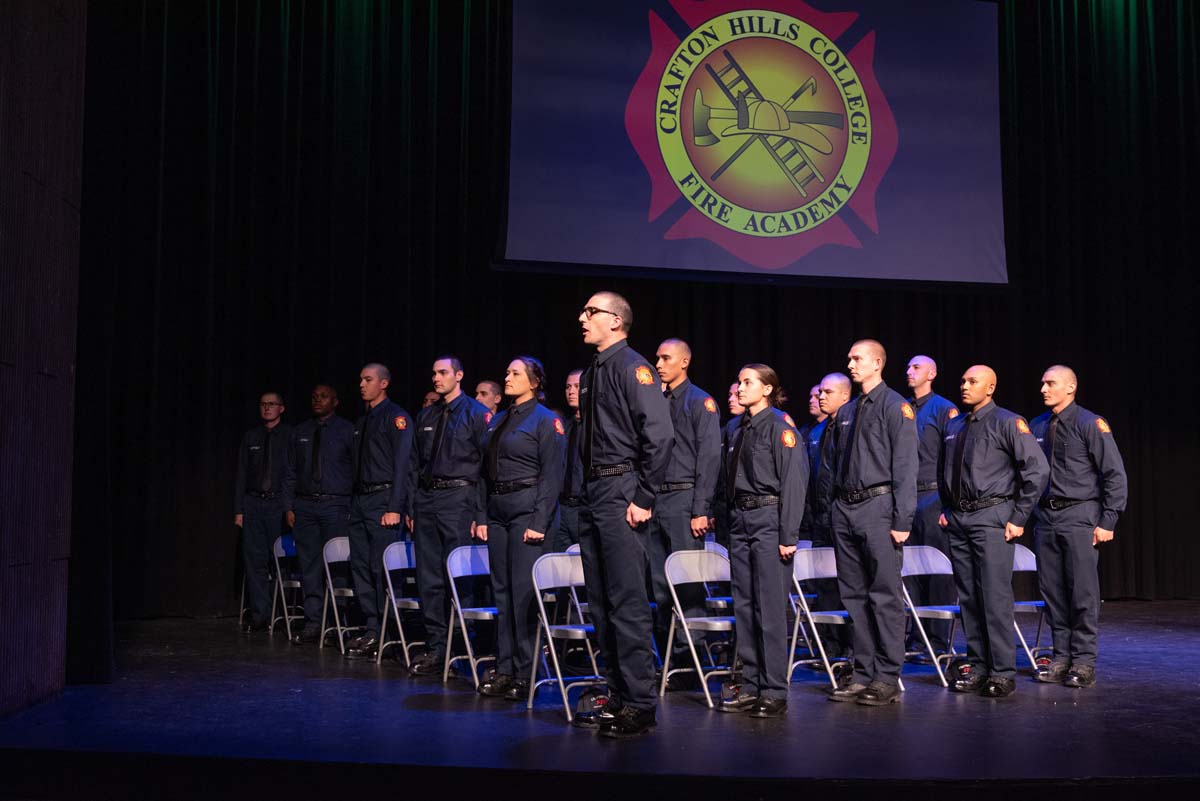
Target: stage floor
196	698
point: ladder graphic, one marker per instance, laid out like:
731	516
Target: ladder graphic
790	155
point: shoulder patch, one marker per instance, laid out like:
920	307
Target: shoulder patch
787	418
907	411
401	422
710	405
1022	426
643	375
952	413
1103	425
558	426
487	417
789	438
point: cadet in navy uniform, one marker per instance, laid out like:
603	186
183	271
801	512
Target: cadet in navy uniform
566	531
258	502
991	473
523	466
766	476
382	441
316	494
627	443
449	498
933	413
875	496
833	394
682	510
810	435
1079	510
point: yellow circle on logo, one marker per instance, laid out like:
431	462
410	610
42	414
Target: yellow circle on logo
763	124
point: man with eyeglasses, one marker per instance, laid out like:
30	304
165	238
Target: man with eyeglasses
626	447
258	502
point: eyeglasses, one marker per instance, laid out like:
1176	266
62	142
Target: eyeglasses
590	311
268	404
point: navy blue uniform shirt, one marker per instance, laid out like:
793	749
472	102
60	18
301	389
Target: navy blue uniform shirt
532	447
632	420
460	456
772	461
336	473
933	412
252	464
388	432
821	453
876	443
696	455
573	467
1085	463
1001	458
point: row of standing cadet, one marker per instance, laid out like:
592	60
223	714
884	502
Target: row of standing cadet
637	450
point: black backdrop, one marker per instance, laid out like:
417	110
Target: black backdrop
276	193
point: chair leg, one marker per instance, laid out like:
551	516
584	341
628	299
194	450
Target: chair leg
662	686
562	688
337	624
383	643
1024	645
821	650
449	641
324	616
695	661
276	591
537	649
916	621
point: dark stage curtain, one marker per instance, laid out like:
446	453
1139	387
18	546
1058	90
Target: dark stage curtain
278	192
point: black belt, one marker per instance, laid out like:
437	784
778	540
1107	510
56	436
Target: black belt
446	483
981	503
320	497
571	500
1057	504
676	487
506	487
266	496
609	470
928	486
367	489
858	496
748	502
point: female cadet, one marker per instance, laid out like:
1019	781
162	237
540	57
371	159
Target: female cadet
523	466
766	475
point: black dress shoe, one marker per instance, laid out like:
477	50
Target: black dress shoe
307	637
998	687
496	686
678	682
1051	672
519	691
427	665
252	627
971	682
879	693
737	698
769	708
848	692
1080	676
366	648
629	722
594	707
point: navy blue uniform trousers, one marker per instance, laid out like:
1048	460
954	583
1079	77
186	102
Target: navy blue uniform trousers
931	590
983	564
760	596
511	560
566	528
262	522
868	566
614	569
317	522
442	519
670	530
368	540
1067	577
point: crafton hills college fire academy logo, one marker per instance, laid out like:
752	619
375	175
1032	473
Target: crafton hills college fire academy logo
766	123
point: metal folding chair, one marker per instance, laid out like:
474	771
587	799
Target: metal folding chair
463	562
812	564
1025	561
925	560
551	572
336	551
694	567
284	547
397	556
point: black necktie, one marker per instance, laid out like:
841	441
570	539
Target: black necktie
1048	448
568	489
264	476
316	455
735	458
589	416
493	450
960	454
846	452
436	447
